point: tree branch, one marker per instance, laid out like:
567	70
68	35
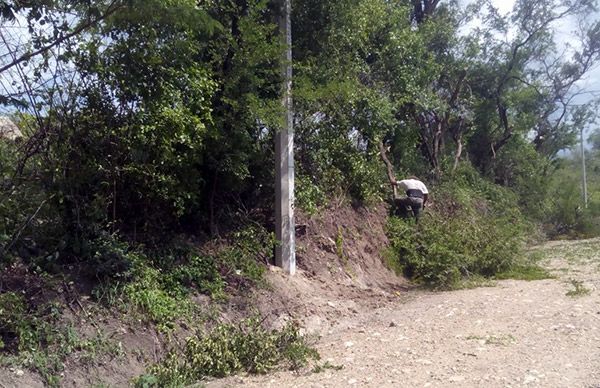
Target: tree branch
112	8
389	167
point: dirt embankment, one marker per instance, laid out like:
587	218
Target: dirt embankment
341	271
515	333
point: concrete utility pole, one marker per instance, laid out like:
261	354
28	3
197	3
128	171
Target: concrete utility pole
583	175
285	252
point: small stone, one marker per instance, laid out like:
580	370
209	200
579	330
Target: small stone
392	324
348	344
352	381
19	372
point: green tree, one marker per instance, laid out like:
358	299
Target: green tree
522	85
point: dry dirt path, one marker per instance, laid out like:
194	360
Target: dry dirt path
514	334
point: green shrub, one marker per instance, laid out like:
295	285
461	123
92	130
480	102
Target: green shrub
250	248
526	268
309	196
110	257
462	236
199	272
157	283
145	292
228	349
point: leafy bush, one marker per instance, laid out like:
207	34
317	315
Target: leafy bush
309	196
229	349
249	249
200	272
147	293
110	257
567	216
462	236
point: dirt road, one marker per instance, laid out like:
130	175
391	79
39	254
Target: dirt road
542	333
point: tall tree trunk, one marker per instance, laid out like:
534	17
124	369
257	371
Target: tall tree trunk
458	153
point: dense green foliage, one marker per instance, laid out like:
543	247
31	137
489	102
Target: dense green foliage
470	231
567	215
152	129
156	286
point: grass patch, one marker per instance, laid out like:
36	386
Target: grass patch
500	340
474	281
579	289
229	349
527	272
326	366
391	261
155	285
528	269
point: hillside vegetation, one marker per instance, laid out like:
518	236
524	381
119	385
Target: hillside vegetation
142	181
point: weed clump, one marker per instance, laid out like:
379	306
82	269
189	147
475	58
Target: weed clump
579	289
228	349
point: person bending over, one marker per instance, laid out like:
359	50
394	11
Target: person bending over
416	197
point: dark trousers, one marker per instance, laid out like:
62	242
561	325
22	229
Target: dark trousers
406	204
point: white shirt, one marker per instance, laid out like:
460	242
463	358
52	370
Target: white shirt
412	184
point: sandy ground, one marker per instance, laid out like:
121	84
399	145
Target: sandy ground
513	334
